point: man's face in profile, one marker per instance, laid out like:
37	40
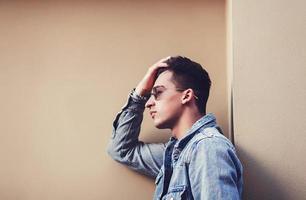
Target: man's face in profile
165	102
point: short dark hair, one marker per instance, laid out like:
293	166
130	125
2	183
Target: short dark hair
189	74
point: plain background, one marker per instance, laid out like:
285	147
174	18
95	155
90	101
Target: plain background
269	69
66	69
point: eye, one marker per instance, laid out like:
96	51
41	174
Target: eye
156	94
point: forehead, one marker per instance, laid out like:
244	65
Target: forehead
164	79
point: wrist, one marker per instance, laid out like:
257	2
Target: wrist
140	95
141	92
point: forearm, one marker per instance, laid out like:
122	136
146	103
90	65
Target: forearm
124	145
126	128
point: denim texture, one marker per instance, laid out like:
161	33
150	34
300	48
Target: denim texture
201	165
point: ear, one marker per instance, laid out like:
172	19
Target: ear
187	96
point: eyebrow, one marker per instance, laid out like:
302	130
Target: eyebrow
154	88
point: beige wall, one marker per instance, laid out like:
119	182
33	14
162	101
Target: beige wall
269	96
66	69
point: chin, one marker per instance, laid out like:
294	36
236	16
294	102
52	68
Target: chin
161	125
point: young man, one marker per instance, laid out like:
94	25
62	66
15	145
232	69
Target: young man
198	162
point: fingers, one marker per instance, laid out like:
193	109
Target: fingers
164	59
161	63
146	84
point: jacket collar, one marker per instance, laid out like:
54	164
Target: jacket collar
208	120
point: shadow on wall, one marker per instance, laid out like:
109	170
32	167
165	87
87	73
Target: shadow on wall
259	183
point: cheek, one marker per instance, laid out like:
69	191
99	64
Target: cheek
168	106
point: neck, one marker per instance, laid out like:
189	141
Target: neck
185	123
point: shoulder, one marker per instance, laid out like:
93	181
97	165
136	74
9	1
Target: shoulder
211	137
210	141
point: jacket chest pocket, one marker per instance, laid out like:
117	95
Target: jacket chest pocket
176	193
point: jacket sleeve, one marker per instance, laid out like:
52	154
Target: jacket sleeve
215	171
124	145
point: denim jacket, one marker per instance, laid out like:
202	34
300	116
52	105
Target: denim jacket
201	165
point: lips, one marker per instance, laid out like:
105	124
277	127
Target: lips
152	113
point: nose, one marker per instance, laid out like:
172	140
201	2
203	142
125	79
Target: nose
150	102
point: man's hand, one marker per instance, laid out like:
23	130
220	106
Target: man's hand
144	87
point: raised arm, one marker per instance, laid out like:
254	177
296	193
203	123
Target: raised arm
124	145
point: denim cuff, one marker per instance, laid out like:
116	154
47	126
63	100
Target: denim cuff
137	98
136	102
